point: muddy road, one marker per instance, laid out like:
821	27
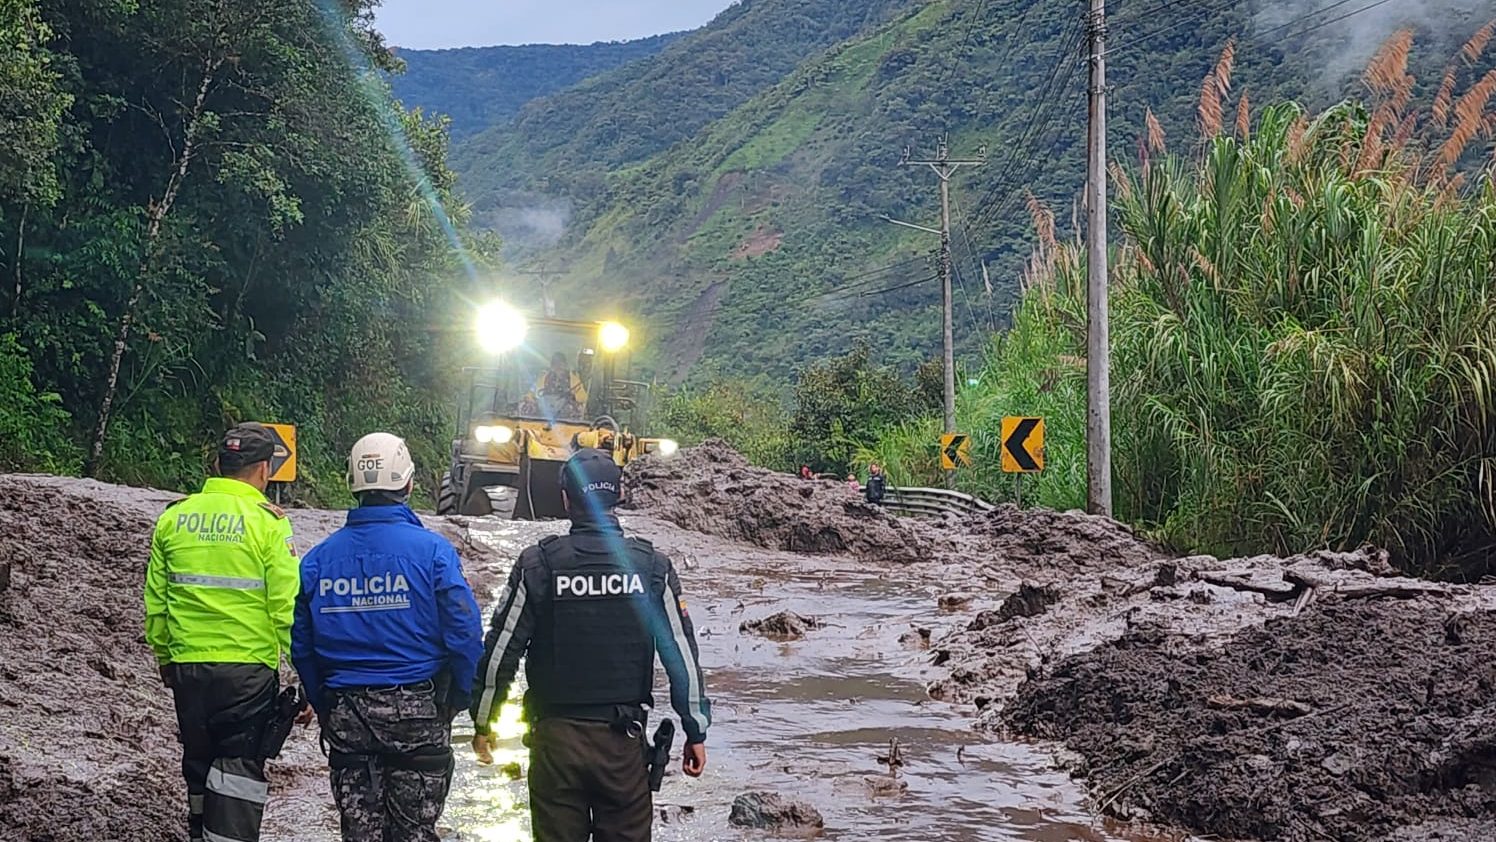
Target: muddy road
1043	675
809	718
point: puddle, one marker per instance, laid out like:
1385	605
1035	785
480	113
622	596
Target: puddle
809	718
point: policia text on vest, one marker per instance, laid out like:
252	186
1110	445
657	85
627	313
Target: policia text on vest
588	612
219	595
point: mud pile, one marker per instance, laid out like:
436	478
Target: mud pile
88	746
87	734
713	490
1347	722
1049	544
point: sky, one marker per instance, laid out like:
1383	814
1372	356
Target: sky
433	24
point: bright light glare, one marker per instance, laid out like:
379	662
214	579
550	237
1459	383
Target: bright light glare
493	435
614	337
500	327
668	447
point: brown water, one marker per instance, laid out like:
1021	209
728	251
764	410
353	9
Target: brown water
810	718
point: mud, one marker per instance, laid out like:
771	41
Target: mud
1314	697
1383	716
713	490
784	626
88	745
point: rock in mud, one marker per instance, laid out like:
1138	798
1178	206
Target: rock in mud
1284	731
768	811
884	786
956	601
713	490
1029	600
917	638
784	626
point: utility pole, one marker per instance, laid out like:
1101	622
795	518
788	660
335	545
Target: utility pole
545	276
1098	331
944	168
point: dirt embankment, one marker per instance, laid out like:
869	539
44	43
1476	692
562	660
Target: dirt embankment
88	746
1346	722
713	490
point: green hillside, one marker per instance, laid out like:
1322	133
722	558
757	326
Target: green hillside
746	248
568	145
480	87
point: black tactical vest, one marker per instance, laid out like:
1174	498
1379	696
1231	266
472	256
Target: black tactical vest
594	642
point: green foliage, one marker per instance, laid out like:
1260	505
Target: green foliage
244	168
32	107
32	423
1304	348
754	423
839	400
738	221
482	87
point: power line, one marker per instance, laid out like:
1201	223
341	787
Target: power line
1193	17
958	56
924	280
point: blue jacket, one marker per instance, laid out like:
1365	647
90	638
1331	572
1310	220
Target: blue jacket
383	603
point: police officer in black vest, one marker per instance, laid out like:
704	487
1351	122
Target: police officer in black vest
589	610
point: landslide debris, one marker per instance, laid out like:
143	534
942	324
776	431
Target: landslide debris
87	734
88	747
1047	544
713	490
1347	722
784	626
770	811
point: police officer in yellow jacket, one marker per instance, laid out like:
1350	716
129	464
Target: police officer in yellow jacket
220	593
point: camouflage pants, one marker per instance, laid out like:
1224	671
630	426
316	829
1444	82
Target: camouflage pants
391	758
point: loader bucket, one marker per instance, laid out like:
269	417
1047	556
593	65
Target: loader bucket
538	489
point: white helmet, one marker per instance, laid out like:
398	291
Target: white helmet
380	462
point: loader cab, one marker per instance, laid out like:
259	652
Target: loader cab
553	385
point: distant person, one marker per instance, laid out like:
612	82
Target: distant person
877	484
805	472
387	640
560	390
220	591
853	483
587	612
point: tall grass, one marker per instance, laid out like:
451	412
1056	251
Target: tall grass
1304	329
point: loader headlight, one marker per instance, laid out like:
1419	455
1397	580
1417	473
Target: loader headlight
500	327
498	434
613	336
668	447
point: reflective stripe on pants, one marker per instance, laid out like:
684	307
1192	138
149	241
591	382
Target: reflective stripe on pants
235	803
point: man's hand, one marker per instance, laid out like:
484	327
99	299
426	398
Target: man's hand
306	716
693	762
483	747
166	676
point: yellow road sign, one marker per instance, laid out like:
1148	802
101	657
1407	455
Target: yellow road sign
1023	445
283	463
955	450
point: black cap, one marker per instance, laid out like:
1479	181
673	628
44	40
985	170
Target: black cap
244	445
593	482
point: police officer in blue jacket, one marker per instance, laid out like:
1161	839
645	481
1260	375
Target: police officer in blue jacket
386	639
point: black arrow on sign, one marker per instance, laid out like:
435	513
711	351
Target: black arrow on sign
1015	444
953	450
282	451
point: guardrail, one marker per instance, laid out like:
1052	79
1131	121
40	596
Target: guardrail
934	502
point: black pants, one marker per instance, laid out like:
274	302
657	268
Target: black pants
588	781
222	711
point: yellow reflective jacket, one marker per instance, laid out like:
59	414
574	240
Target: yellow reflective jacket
222	581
